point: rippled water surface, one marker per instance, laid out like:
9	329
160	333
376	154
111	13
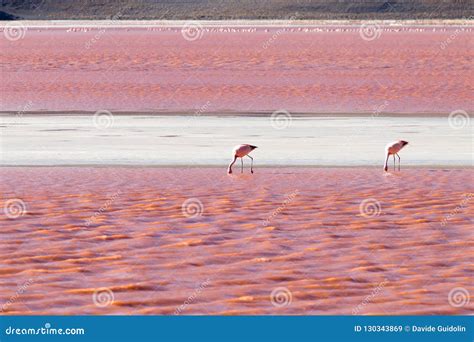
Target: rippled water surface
112	214
197	241
309	69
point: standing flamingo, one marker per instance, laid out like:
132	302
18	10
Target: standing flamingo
393	149
240	151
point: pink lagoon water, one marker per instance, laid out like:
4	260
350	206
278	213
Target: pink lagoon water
404	70
149	239
188	239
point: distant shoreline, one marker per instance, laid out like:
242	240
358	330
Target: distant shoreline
263	114
235	10
240	23
224	166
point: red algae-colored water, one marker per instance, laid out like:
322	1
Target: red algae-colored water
293	241
399	70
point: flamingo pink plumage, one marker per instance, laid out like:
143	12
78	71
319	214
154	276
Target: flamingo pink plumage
241	151
393	149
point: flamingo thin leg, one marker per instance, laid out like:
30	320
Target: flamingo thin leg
251	164
398	161
242	165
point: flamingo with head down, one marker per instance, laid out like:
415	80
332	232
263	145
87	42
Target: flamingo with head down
240	151
393	149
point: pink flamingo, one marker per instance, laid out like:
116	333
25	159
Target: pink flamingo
240	151
393	149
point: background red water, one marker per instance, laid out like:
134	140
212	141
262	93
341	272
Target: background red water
158	70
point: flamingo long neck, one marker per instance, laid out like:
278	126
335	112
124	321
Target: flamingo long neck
231	163
385	165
